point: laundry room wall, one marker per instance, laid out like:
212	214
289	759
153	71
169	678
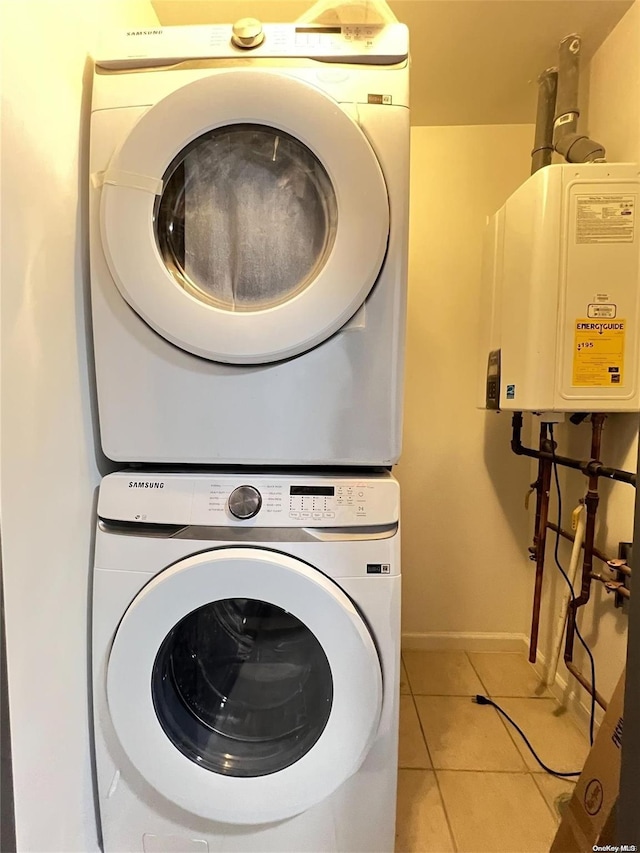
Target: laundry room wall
614	120
464	527
50	466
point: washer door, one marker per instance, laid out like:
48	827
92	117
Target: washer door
244	685
245	218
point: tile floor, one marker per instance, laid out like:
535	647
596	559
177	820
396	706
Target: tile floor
466	781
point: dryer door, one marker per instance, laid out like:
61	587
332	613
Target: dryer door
244	685
245	218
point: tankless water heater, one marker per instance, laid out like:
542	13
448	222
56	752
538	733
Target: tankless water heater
561	293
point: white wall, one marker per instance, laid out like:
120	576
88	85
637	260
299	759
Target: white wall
464	525
49	465
614	119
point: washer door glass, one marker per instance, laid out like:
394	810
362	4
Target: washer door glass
247	217
242	687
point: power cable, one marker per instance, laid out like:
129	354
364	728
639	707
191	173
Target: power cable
484	700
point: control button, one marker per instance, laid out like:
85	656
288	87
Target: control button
247	33
317	515
329	515
305	515
245	502
294	515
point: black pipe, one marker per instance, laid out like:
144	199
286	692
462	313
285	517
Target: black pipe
590	468
543	139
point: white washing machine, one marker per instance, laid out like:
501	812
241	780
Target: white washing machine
246	645
248	236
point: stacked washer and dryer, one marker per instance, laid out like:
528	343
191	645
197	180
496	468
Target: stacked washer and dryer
248	226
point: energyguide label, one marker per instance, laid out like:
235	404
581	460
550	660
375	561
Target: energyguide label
598	354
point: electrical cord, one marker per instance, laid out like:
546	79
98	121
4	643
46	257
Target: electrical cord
484	700
556	557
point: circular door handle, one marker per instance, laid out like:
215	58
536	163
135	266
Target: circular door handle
245	502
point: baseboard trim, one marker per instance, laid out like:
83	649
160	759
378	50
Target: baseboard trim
466	641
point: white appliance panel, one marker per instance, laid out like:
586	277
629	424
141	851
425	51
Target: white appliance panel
563	284
338	403
135	565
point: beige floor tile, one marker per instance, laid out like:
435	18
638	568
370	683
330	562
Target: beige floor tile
421	825
507	674
404	681
445	673
412	751
551	730
461	735
557	792
495	812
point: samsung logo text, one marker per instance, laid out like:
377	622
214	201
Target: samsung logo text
145	484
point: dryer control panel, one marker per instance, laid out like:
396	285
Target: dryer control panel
258	500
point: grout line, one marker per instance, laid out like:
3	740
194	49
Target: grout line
491	696
551	809
454	843
466	654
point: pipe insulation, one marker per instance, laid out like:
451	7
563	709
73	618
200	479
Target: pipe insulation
543	139
556	648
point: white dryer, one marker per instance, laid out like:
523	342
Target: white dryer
248	239
246	644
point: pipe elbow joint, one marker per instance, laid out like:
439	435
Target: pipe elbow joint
577	148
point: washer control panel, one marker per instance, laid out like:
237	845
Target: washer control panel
258	500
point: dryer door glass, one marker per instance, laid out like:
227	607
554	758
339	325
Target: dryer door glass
247	217
242	687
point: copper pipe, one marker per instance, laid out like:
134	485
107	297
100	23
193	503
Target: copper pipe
540	541
573	669
621	590
536	524
591	503
625	570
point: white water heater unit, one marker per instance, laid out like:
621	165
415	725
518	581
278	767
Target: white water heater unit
561	293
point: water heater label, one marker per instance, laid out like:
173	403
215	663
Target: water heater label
598	355
600	309
605	218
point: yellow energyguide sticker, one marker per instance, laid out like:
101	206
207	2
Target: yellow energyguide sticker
598	353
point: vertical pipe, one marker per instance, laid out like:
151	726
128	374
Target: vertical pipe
567	112
540	543
591	504
543	140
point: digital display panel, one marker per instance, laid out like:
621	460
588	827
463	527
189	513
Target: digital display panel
336	30
328	491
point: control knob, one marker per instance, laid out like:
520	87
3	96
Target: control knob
245	502
247	33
